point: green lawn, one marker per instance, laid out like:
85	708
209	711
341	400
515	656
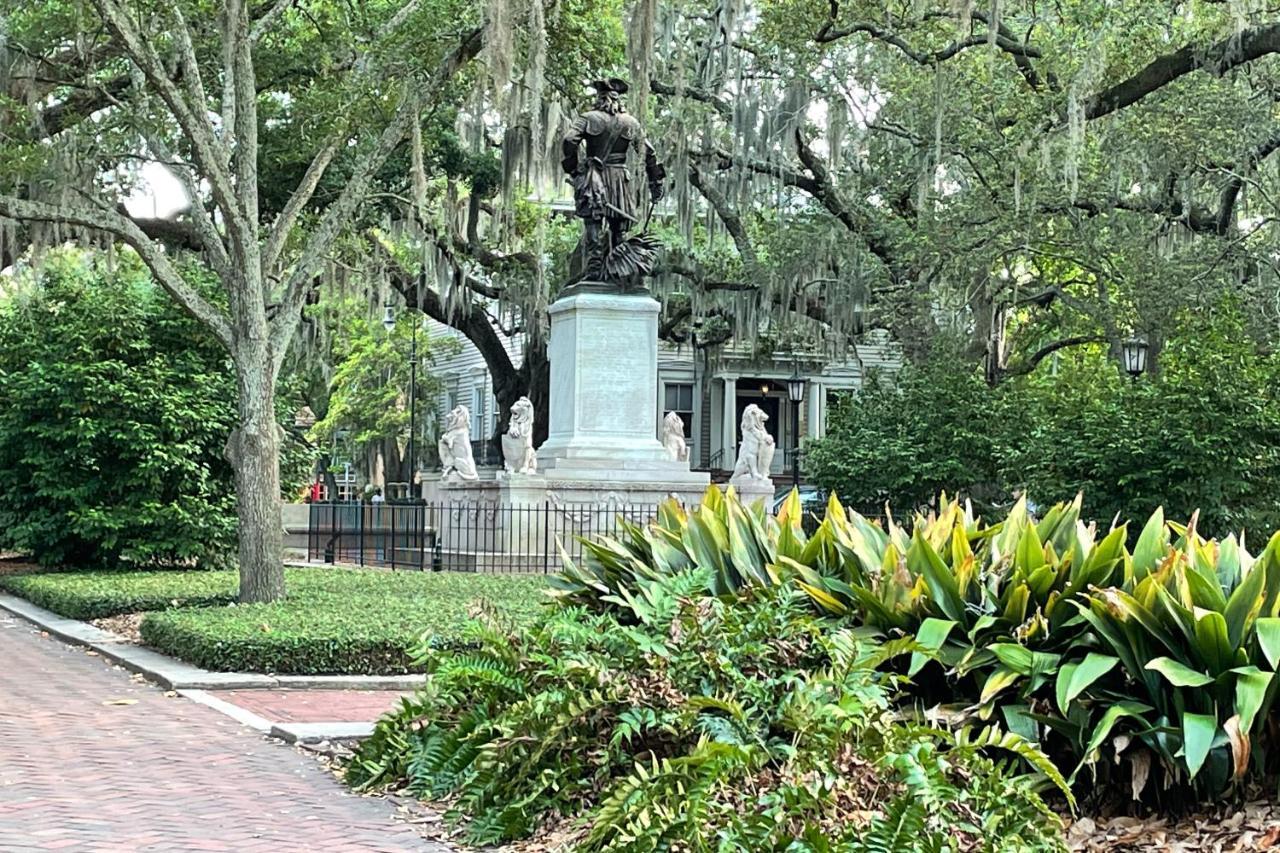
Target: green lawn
333	621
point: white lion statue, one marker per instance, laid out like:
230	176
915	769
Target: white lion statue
673	437
755	453
517	442
456	460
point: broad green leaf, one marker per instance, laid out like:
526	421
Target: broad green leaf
1197	738
1030	554
1251	692
1000	678
1268	630
824	599
932	634
1212	641
1015	657
1065	674
1018	721
922	559
1152	545
1179	674
1093	667
1106	724
1242	606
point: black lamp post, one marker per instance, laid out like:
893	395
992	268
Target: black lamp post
389	323
1133	357
795	390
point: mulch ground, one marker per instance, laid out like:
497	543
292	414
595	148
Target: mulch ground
16	564
127	625
1230	829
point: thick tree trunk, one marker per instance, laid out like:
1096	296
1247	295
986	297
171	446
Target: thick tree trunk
254	451
532	380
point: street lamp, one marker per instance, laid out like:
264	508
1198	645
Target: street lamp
1133	356
389	323
795	390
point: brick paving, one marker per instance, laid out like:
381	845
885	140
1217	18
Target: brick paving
93	760
314	706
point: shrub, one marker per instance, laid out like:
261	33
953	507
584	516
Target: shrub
337	621
708	724
333	621
1058	633
1202	435
116	410
96	595
906	437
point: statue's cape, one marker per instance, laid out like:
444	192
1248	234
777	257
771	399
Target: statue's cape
599	123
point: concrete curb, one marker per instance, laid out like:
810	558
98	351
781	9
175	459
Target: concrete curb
243	716
317	732
173	674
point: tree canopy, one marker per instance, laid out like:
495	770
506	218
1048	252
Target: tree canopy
1025	176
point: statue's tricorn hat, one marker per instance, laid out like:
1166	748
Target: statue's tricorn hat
613	84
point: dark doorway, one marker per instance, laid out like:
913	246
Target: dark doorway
769	405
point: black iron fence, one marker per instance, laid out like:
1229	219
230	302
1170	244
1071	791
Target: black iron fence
484	537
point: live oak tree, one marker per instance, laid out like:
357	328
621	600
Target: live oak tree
1028	177
1033	176
191	85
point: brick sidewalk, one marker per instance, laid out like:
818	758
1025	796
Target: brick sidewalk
314	706
92	760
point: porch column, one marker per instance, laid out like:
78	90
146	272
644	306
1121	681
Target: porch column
816	401
728	427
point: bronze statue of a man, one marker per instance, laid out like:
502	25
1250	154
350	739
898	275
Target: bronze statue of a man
602	186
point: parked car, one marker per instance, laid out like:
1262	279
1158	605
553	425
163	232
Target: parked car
813	499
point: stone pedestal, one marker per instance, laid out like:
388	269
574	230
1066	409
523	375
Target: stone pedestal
602	436
751	491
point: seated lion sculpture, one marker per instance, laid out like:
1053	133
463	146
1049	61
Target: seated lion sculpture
456	459
755	453
517	441
673	437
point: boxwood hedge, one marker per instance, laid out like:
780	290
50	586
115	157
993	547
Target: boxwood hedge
337	621
95	595
333	621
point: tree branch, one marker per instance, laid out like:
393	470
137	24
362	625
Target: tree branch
205	147
337	216
297	202
732	222
1044	352
103	218
268	19
1217	59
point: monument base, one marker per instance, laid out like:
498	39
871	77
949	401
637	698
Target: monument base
751	490
602	444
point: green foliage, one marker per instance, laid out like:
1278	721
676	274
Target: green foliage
368	391
708	724
1162	658
1195	631
116	409
338	621
333	621
906	437
95	595
1203	435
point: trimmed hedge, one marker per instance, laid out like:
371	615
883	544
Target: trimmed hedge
96	595
334	620
338	621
